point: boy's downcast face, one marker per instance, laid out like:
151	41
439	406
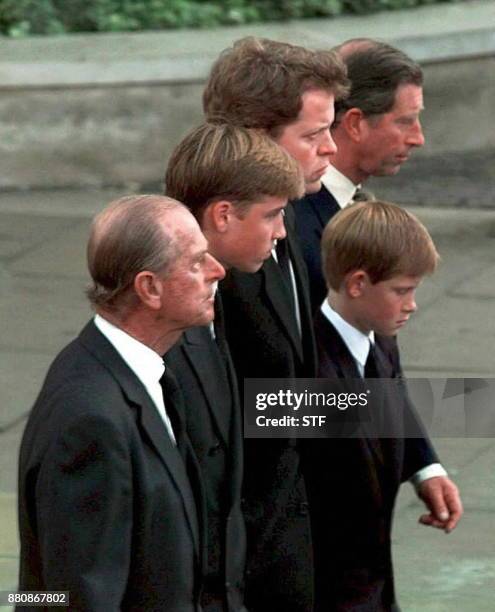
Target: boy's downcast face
385	307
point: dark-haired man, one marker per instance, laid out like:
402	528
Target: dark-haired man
375	129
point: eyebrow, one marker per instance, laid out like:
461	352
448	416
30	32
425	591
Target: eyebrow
323	128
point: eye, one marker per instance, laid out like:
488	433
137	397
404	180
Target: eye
198	263
312	137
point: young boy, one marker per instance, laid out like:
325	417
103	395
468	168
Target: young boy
375	254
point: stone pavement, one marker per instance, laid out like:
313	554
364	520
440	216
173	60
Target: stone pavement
42	306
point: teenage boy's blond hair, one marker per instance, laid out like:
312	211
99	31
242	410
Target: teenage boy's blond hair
225	162
378	237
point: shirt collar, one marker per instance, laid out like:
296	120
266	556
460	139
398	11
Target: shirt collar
143	361
339	186
357	342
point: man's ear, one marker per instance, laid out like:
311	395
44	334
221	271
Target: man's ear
356	282
148	289
220	214
353	123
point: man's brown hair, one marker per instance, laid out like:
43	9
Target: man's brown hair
259	82
375	70
126	239
378	237
223	162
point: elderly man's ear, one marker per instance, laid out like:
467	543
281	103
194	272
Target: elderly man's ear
149	289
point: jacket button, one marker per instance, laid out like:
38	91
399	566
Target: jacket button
214	449
303	508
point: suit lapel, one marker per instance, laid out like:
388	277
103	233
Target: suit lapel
205	359
340	357
150	421
324	206
281	302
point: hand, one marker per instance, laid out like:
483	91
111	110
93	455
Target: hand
442	499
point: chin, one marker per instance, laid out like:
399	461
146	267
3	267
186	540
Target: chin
313	187
250	267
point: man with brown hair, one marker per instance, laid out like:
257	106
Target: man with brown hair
236	182
375	129
288	92
110	495
375	256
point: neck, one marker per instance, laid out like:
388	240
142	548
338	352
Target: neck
343	307
346	160
145	330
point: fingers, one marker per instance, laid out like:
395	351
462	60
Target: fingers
441	496
454	504
431	521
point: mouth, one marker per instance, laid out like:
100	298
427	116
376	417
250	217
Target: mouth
319	173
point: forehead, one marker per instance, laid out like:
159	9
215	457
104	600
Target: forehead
317	107
265	204
402	281
408	99
185	231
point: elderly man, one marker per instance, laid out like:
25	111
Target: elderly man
110	503
375	129
288	92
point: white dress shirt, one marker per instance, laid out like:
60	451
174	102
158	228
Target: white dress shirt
342	188
146	364
359	346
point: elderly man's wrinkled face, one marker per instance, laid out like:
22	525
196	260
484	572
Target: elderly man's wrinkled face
190	283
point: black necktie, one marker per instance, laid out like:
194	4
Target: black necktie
283	259
172	398
370	369
219	326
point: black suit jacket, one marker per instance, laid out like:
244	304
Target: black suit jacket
352	500
213	419
265	342
313	212
108	509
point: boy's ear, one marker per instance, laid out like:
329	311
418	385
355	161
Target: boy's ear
220	214
353	122
149	289
355	283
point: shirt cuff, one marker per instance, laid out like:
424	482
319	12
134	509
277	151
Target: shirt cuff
430	471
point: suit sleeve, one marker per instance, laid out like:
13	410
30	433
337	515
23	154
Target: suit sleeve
84	512
418	449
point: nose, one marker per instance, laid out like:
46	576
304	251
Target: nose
280	232
415	136
410	305
327	145
215	269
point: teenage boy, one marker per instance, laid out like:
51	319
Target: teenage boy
375	254
236	182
